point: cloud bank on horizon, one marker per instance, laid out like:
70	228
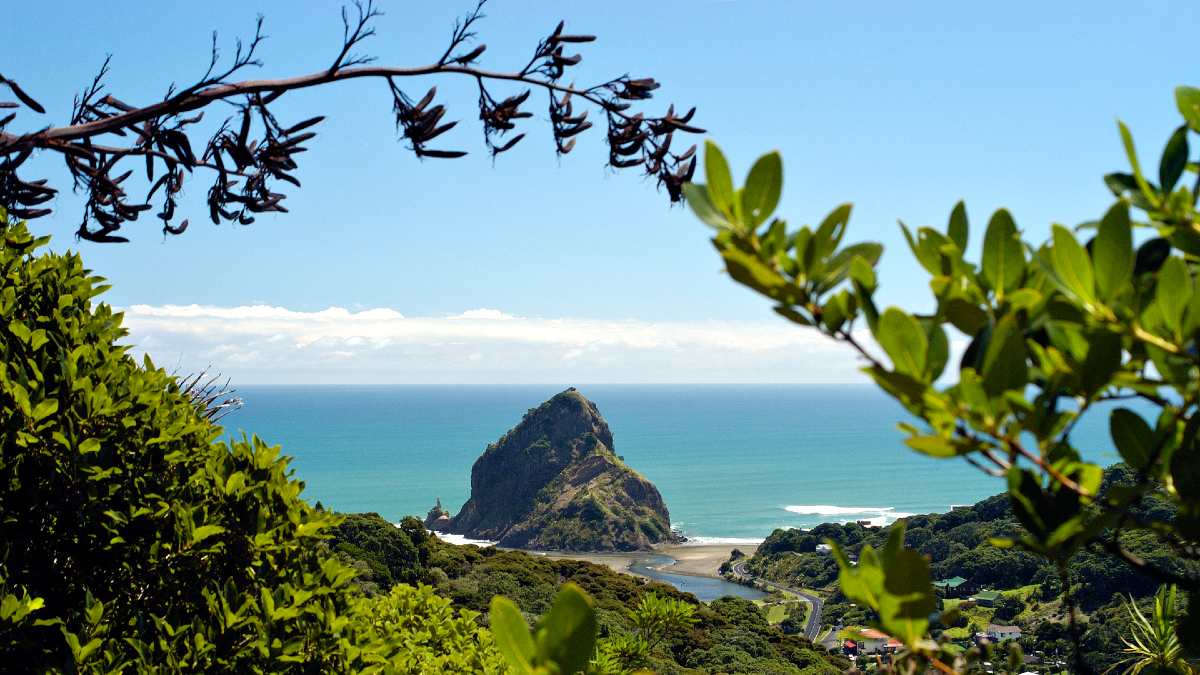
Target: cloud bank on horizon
264	344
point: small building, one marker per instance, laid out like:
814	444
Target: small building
871	641
986	598
825	549
954	587
1000	633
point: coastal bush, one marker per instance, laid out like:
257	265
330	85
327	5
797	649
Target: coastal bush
1100	319
385	554
132	539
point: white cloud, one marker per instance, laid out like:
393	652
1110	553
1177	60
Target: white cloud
268	344
484	313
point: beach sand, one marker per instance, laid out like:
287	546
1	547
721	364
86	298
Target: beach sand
701	560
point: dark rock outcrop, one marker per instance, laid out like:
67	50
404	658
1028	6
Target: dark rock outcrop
438	518
553	482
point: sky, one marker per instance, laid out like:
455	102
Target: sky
535	268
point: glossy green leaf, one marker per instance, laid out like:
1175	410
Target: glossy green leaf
512	634
957	229
702	206
1174	159
764	185
1112	252
720	180
1103	360
1133	437
1188	101
936	446
1185	471
1174	292
45	409
965	316
567	634
205	531
1072	266
905	342
1004	367
829	235
1003	257
1131	154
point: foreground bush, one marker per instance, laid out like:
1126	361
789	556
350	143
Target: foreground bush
1101	319
131	538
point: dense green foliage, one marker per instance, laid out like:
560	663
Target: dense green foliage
727	635
131	538
1099	313
381	553
957	544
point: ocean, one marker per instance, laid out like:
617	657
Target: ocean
733	462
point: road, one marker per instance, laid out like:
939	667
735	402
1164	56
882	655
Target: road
814	617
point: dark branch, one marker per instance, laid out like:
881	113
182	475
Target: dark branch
251	152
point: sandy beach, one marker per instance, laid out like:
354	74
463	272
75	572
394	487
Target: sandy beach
701	559
695	559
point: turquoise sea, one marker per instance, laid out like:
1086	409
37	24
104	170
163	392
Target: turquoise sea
732	461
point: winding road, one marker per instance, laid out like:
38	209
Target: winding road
814	617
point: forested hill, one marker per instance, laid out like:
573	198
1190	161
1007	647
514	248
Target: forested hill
732	635
958	545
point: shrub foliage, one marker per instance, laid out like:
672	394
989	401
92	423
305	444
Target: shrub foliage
132	538
1103	318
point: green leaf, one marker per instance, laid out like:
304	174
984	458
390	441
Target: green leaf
1133	437
45	409
938	353
1072	266
513	639
1003	257
1174	159
1188	101
901	336
1131	153
1174	292
957	229
1103	360
1185	471
764	185
1004	367
720	180
1112	252
702	206
831	231
966	316
924	250
567	634
936	446
205	531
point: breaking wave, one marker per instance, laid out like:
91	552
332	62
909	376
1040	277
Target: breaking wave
877	515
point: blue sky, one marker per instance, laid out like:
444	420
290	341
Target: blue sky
903	110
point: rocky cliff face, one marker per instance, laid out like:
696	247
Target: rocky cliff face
554	483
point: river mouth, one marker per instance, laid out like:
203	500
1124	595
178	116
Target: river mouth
706	589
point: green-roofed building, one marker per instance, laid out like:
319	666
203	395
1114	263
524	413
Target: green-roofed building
954	587
986	598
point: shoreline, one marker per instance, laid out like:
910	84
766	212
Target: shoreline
695	560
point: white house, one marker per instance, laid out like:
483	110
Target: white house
1001	633
871	641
